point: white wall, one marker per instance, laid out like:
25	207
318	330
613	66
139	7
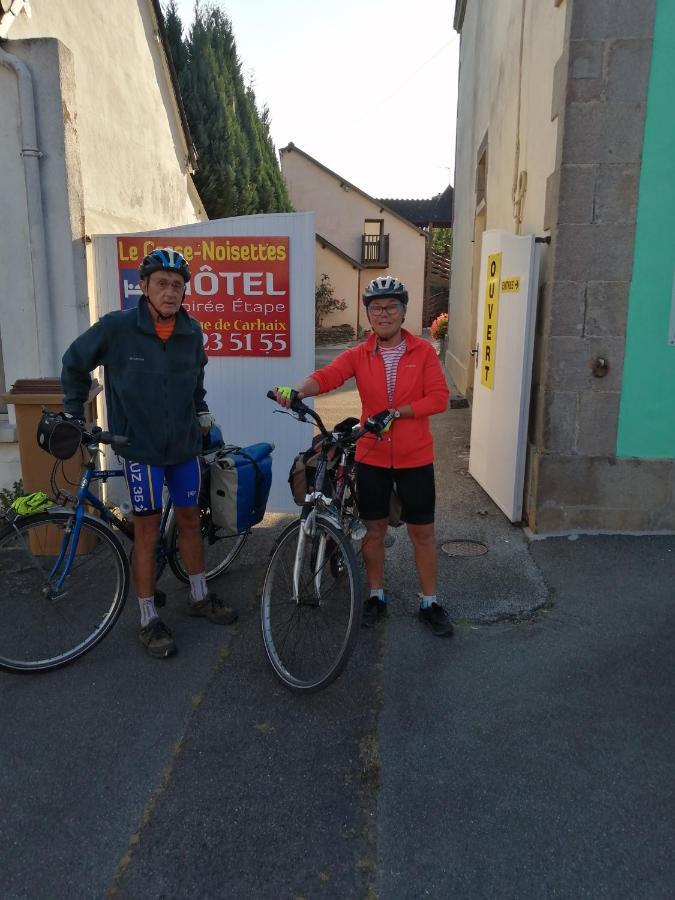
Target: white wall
340	216
488	104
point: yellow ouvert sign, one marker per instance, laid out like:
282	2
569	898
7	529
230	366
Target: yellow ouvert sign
490	320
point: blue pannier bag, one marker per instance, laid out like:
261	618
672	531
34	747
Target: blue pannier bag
240	481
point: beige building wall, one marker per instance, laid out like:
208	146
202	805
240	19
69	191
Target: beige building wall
341	210
504	109
345	279
91	140
133	154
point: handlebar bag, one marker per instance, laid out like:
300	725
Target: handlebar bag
58	436
240	480
303	470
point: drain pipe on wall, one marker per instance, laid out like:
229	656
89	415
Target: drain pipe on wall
36	225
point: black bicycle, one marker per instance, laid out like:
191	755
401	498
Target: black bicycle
66	572
313	590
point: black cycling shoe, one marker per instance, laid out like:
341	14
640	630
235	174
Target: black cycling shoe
436	617
374	609
157	639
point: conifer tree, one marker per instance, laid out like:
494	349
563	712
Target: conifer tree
238	172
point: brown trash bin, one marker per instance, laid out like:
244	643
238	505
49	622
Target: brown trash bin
29	396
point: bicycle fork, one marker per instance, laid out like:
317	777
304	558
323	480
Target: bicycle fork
63	562
308	529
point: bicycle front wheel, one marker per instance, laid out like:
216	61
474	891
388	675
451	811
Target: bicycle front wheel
311	605
220	550
43	626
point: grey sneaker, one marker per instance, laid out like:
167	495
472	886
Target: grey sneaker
213	608
436	617
157	639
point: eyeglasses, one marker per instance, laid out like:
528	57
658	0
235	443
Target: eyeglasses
176	285
391	310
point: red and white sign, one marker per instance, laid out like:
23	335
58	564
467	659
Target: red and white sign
239	290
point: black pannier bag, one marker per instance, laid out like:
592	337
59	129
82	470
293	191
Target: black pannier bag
57	435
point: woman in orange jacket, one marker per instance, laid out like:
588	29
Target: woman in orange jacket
398	372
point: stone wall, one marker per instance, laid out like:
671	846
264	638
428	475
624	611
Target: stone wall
574	478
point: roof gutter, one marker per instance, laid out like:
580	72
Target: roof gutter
36	226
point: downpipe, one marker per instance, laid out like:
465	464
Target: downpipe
38	245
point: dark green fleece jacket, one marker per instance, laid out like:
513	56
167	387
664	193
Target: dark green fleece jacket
154	389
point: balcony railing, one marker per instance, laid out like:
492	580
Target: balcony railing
375	250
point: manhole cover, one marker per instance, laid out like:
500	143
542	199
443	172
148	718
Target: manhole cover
464	548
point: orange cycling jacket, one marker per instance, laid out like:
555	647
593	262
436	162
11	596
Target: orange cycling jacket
420	383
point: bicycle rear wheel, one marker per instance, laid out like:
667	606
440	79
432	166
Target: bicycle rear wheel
308	638
220	551
43	627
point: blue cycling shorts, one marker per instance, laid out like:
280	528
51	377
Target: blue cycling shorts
146	483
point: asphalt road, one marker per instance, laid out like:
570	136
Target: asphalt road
530	756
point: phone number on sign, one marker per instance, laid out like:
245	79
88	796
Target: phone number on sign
235	342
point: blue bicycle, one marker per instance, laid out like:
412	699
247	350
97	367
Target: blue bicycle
66	572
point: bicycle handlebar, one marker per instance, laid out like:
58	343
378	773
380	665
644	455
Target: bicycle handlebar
297	406
98	436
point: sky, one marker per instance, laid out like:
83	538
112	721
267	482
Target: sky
366	87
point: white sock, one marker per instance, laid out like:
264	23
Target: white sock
379	593
148	611
427	600
198	588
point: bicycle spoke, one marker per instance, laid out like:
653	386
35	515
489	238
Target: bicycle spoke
42	627
308	637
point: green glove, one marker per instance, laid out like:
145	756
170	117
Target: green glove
36	502
380	422
286	392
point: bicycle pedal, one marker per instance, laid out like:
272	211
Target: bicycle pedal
160	599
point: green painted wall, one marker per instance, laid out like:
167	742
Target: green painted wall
647	411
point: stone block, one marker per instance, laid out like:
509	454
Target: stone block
602	482
594	252
585	90
606	308
628	70
560	418
571	359
567	308
559	89
577	189
552	200
597	423
586	59
663	519
598	19
552	519
616	194
602	132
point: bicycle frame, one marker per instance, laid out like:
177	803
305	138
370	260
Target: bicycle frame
84	496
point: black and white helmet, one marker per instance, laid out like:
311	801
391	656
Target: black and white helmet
386	286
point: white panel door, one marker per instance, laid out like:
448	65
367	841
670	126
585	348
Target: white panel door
236	386
504	343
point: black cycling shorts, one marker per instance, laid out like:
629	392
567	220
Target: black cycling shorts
415	488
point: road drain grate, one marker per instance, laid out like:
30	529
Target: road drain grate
464	548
